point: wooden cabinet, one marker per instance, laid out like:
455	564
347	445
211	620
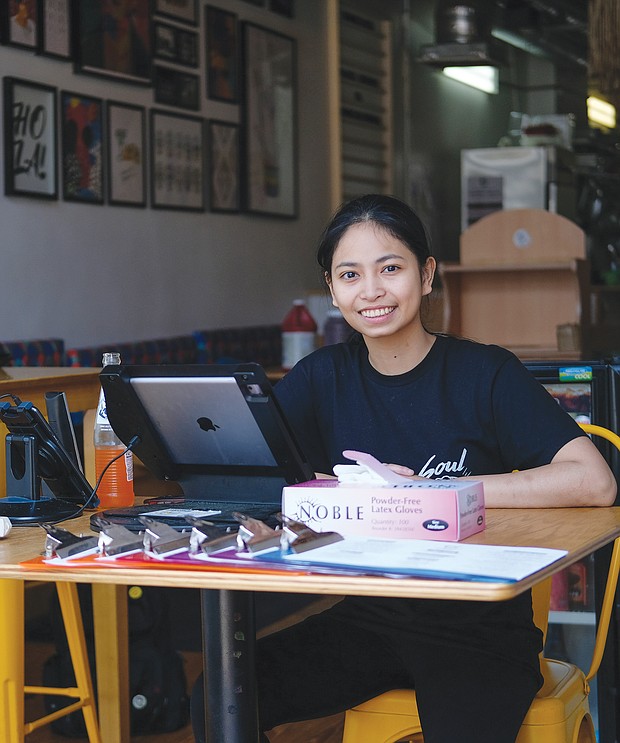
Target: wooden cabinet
523	273
519	307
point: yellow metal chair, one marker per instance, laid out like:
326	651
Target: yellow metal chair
12	725
560	712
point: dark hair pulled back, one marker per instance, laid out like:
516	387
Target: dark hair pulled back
387	213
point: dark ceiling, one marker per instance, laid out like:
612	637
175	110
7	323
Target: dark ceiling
557	29
553	28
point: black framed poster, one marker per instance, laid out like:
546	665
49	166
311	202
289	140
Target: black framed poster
177	161
181	10
54	29
178	88
30	152
20	21
81	118
113	39
222	55
270	173
174	44
126	154
223	166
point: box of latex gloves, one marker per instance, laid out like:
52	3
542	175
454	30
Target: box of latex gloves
369	499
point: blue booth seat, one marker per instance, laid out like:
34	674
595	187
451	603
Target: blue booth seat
261	344
41	352
175	350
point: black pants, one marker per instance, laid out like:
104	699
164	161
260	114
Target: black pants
327	664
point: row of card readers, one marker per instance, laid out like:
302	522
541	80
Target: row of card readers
201	538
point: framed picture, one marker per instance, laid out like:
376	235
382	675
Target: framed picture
270	167
30	154
177	161
283	7
180	10
126	132
20	23
176	88
113	39
222	55
174	44
224	193
81	120
54	34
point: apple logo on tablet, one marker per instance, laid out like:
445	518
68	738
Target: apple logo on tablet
206	424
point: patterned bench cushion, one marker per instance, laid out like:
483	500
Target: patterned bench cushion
175	350
43	352
261	344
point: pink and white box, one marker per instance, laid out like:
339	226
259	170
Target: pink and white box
395	508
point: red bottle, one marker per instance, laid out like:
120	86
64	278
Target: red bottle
298	334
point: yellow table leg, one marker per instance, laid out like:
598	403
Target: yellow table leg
110	621
12	660
74	628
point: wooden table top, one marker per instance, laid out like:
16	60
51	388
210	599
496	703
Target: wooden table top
581	531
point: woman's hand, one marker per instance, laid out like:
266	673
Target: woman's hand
400	469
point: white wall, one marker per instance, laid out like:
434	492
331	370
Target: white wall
92	274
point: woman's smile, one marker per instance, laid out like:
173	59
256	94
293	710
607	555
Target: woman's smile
377	312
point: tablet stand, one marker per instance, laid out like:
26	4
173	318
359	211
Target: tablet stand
22	478
25	502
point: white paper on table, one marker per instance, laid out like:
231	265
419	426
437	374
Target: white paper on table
180	513
427	558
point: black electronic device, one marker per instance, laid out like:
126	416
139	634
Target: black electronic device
215	429
59	418
35	454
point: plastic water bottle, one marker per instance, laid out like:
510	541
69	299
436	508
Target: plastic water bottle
116	487
298	334
336	328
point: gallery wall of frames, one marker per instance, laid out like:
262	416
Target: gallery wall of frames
65	143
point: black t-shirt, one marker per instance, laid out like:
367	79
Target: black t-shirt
467	409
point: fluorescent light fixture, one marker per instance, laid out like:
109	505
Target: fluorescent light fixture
517	41
600	112
484	78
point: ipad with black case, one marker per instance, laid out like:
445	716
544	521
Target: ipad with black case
215	429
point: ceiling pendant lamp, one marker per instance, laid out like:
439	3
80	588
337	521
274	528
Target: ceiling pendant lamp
462	36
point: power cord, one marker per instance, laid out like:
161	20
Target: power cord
132	442
15	399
